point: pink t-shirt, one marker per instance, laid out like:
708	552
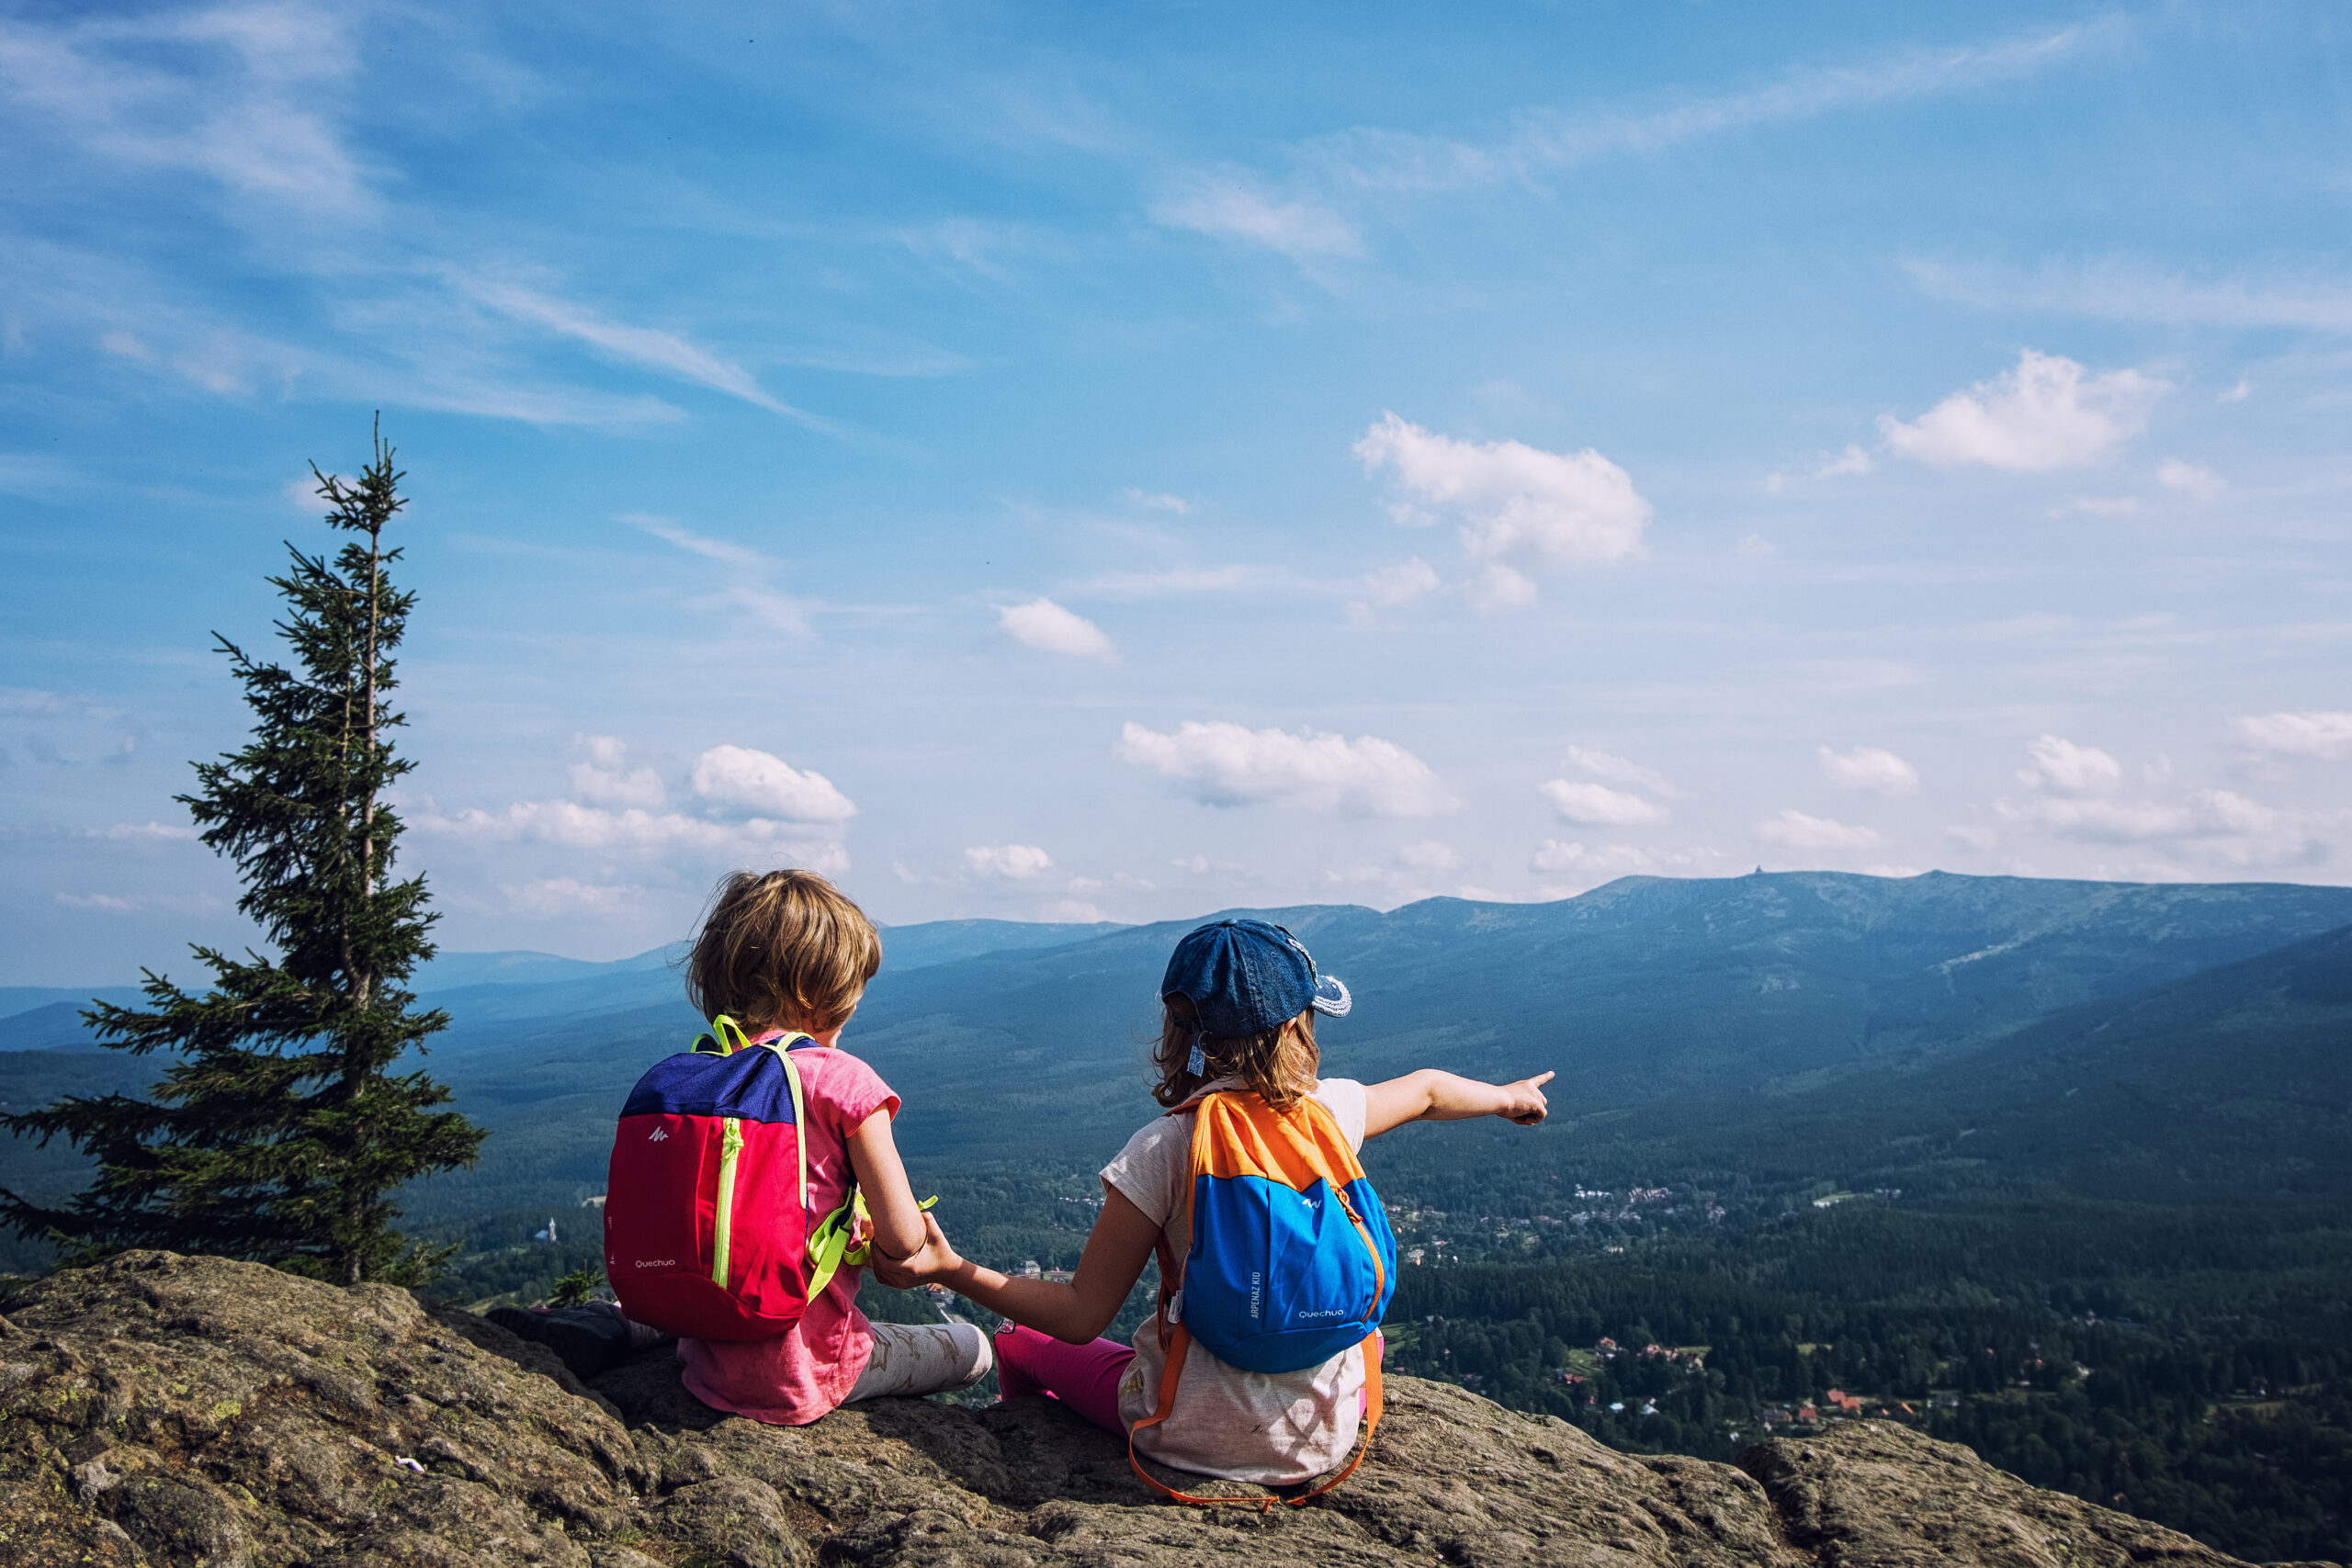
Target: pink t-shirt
810	1369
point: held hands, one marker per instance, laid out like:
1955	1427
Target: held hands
1523	1101
934	1261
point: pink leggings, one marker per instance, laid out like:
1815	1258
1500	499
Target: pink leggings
1084	1376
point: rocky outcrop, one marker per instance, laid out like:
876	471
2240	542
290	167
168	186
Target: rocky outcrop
161	1409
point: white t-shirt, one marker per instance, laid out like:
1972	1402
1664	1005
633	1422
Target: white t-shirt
1269	1428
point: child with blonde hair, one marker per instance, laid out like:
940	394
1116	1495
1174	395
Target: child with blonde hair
1239	1000
785	955
787	952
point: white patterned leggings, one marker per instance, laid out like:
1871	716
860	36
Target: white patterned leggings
922	1357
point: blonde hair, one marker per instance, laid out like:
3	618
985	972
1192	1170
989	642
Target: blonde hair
783	949
1279	1064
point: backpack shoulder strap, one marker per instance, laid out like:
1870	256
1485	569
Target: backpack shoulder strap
1170	1374
784	1046
1374	1405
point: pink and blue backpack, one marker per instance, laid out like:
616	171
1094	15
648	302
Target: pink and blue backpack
708	1231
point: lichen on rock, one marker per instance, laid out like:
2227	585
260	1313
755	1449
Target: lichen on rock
159	1409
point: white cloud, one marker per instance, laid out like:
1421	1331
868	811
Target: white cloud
2327	734
1221	763
1598	806
1832	465
1852	460
1753	544
1517	506
606	779
1622	770
744	585
2121	288
1016	861
144	832
569	825
1501	587
132	904
2077	800
2100	820
2216	827
1046	627
686	539
2060	765
648	347
241	95
1609	860
1429	855
1396	585
1545	139
2099	506
1233	579
1232	206
567	896
765	784
1803	834
1870	768
2046	412
1150	503
2239	393
2204	484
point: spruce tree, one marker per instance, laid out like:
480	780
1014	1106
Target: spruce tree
279	1129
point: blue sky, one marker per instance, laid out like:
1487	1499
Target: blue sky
1118	462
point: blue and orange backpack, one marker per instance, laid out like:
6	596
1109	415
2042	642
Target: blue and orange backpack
1291	1261
708	1232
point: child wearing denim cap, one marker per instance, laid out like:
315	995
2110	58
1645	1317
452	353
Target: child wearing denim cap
1238	1003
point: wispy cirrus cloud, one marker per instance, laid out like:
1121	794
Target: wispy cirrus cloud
1302	213
2128	289
241	95
651	349
1235	207
746	586
1541	139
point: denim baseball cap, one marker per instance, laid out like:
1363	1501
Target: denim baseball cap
1248	976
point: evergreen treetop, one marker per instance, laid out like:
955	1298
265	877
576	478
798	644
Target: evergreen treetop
279	1129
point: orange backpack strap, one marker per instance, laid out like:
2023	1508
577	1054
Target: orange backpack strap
1373	1406
1180	1342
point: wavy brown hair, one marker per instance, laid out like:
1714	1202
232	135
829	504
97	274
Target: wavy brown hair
783	949
1278	1063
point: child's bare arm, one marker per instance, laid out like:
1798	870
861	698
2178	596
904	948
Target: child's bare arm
1077	1311
1433	1096
898	1218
